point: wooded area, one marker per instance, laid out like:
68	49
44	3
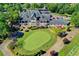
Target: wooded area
10	13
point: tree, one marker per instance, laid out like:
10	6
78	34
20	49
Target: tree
34	5
3	25
71	8
13	15
75	18
2	17
59	6
3	28
17	7
5	6
76	7
41	5
52	7
1	7
25	6
64	8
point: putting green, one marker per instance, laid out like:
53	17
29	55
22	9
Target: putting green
36	40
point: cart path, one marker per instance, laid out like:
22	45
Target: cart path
59	43
3	47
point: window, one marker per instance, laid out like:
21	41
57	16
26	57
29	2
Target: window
22	21
50	19
25	21
21	18
42	16
27	16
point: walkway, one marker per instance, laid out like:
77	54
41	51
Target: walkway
4	49
59	43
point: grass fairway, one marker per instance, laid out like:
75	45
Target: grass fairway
1	54
34	41
72	49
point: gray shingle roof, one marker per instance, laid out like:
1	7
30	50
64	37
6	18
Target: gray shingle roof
59	21
31	14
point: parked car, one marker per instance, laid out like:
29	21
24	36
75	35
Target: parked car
66	41
68	29
54	53
62	34
27	30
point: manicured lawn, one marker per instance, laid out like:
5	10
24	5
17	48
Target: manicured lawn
1	54
34	41
72	49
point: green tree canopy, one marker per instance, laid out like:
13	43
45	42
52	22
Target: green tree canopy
75	18
52	7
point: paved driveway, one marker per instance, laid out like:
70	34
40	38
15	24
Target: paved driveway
4	49
59	43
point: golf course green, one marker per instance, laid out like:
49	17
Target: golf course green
36	40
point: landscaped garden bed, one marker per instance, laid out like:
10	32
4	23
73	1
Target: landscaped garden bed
72	49
34	41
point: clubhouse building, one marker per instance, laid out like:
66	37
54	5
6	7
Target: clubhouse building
41	18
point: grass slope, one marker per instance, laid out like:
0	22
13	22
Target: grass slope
72	49
1	54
